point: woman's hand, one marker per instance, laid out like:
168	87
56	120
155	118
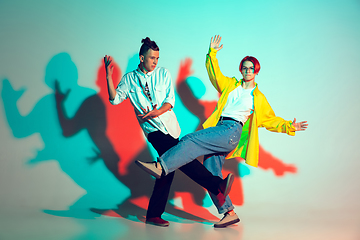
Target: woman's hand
300	126
215	43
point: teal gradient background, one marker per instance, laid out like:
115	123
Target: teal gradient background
309	53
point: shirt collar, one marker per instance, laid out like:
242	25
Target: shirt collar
145	75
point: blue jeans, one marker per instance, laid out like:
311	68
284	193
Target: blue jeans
217	141
214	164
194	170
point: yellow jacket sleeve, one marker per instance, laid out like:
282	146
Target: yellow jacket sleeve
217	79
266	118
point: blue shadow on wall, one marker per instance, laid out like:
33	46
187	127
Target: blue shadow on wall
103	190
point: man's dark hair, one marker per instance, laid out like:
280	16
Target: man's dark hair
146	45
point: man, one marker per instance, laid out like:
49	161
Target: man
232	129
148	87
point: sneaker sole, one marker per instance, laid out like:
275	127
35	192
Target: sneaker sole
157	224
227	224
146	169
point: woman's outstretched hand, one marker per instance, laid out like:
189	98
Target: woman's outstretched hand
215	43
300	126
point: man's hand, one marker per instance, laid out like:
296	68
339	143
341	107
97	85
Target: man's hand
215	43
150	114
300	126
108	67
109	71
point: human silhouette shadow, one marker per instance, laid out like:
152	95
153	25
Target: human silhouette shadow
72	154
91	117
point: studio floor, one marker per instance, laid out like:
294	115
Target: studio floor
256	223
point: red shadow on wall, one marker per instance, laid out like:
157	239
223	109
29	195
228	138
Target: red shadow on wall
123	129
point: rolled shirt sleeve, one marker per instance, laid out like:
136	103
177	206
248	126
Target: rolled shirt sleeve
121	92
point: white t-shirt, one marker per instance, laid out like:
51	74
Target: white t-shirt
240	104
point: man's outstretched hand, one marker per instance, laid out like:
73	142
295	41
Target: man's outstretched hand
108	67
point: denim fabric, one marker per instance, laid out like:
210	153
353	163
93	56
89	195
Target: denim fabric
214	164
194	170
222	138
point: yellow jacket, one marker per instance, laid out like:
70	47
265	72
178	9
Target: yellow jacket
262	116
